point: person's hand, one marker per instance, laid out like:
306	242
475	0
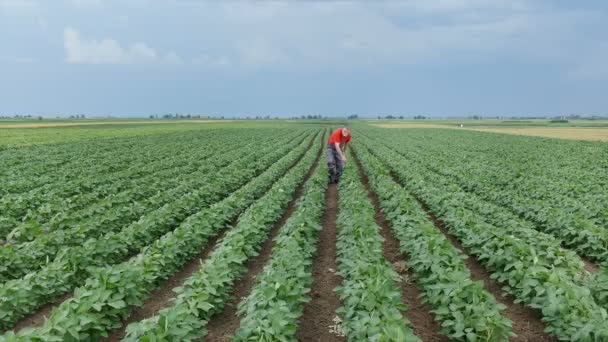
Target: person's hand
344	160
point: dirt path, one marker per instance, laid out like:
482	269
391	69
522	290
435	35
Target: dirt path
223	325
418	313
319	313
527	323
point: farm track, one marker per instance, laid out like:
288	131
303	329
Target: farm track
161	297
527	323
418	313
314	325
224	324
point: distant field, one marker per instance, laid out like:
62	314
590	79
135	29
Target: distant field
29	132
574	133
491	123
596	133
72	123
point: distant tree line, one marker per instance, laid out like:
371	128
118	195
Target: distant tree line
26	117
401	117
184	116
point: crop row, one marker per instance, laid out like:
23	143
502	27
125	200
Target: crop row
83	176
276	302
549	248
567	308
467	312
570	220
55	202
546	245
550	213
21	259
75	162
204	293
370	292
60	213
71	267
111	292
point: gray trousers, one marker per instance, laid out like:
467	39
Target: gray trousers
334	163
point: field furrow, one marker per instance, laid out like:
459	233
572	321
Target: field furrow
72	267
204	294
525	271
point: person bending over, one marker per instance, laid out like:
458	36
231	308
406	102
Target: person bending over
336	153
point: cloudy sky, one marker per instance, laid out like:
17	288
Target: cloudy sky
433	57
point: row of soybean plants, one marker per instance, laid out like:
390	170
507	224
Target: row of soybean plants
205	292
271	310
112	292
582	236
75	264
570	220
466	311
80	172
18	260
547	245
53	212
562	173
45	157
574	163
573	231
64	158
56	202
529	265
370	290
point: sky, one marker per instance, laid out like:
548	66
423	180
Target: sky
437	58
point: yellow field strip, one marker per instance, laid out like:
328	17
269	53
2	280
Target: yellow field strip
572	133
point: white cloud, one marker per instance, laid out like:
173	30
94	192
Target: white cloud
18	4
83	3
109	51
212	62
172	58
347	34
260	52
458	5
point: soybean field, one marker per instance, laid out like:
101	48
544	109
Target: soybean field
229	231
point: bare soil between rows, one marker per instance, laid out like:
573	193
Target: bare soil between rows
37	319
319	313
590	266
417	312
527	323
161	297
221	327
158	300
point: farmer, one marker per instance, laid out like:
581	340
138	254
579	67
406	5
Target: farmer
336	150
